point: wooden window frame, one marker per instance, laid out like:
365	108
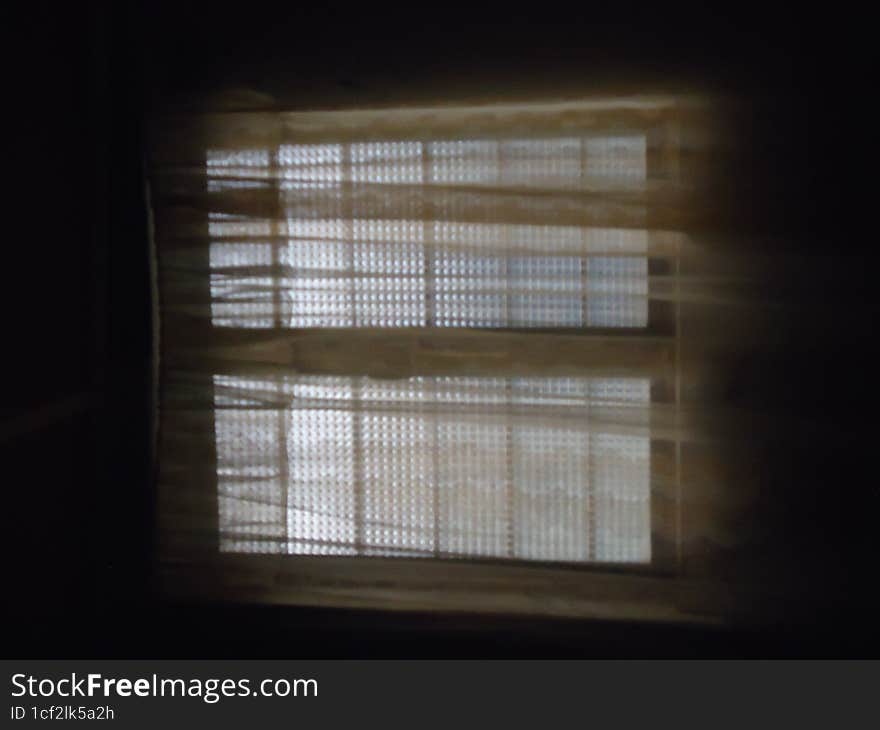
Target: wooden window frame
657	591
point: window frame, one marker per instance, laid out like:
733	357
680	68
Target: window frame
656	591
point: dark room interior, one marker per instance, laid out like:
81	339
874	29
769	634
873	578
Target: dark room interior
79	423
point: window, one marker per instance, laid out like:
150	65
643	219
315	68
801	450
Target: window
455	466
446	335
374	272
444	467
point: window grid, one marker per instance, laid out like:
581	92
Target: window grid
445	466
353	475
352	271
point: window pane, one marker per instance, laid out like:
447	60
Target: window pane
359	269
449	466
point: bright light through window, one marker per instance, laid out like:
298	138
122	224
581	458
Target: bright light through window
443	467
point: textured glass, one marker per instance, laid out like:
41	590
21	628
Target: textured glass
619	157
516	468
341	264
317	252
310	166
388	280
238	170
241	289
444	466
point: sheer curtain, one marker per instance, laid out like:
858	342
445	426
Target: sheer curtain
449	333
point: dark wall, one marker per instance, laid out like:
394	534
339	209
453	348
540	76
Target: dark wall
78	413
78	406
